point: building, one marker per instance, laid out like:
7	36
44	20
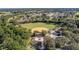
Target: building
22	20
55	33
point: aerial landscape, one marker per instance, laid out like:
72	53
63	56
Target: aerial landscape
39	29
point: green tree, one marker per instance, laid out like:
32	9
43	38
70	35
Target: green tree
49	43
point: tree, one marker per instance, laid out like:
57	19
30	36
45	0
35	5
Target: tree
12	37
73	42
49	43
61	41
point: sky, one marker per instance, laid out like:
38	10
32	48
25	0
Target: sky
39	3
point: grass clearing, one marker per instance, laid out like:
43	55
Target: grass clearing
30	26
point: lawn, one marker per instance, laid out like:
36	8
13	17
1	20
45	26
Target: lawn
34	25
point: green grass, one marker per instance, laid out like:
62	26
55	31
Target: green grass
34	25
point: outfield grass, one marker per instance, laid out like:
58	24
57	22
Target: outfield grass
34	25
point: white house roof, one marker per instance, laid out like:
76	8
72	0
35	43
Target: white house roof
40	39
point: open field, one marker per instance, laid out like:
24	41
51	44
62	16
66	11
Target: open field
34	25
